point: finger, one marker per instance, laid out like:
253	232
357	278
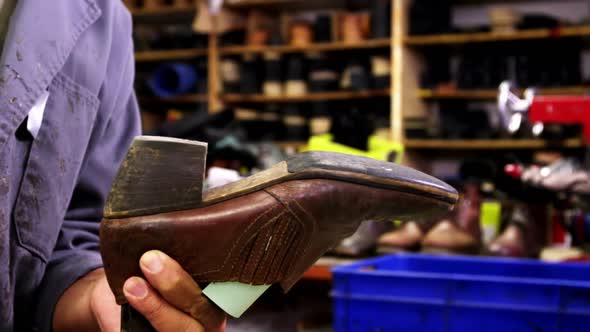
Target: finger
179	289
105	313
162	316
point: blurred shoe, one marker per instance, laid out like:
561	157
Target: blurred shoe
320	121
518	238
405	238
562	175
295	123
230	75
301	33
380	72
462	233
363	241
296	84
322	76
153	4
381	18
322	28
273	85
352	28
250	75
447	237
469	210
355	77
511	243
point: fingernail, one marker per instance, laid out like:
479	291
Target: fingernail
152	262
136	288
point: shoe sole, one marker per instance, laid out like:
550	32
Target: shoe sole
163	175
342	167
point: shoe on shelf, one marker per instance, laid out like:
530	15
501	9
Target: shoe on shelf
461	232
407	237
518	238
363	242
448	238
561	175
153	4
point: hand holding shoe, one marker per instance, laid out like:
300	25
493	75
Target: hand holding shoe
169	299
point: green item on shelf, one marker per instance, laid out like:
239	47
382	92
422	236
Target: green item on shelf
490	219
379	148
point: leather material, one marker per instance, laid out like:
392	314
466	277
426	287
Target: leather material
269	236
511	243
520	238
406	237
446	236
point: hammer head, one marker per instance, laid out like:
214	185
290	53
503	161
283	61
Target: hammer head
158	173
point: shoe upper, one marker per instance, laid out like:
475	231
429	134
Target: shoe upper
272	235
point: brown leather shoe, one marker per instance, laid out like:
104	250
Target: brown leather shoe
406	238
447	237
462	235
511	243
518	238
363	242
265	229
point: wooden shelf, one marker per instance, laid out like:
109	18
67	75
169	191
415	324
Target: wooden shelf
314	96
258	3
490	144
165	10
321	270
164	14
493	94
483	37
287	4
186	99
317	47
165	55
291	144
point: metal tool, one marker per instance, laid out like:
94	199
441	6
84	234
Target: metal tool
541	110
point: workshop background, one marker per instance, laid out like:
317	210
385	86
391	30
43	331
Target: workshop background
439	85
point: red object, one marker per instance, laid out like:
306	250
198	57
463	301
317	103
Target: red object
556	32
513	170
318	272
563	110
579	229
558	231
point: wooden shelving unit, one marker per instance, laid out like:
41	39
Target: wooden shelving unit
185	99
491	144
485	37
296	145
152	107
493	94
285	4
168	55
413	102
310	97
316	47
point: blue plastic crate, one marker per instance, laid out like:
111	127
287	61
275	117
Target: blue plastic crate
414	293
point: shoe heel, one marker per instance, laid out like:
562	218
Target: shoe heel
159	174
